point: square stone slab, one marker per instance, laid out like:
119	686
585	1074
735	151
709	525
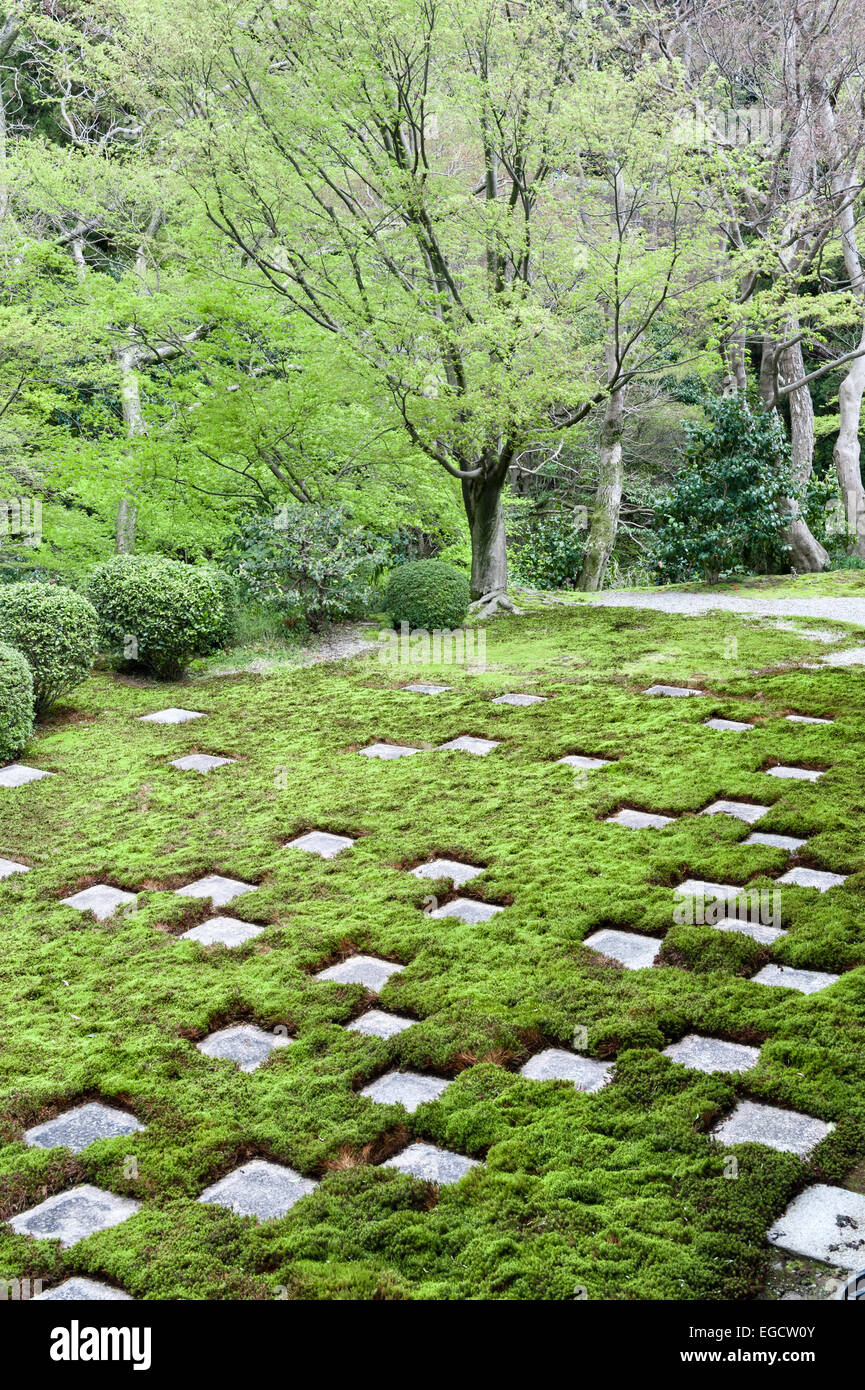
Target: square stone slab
799	774
824	1223
733	725
368	971
170	716
786	1130
201	762
375	1023
712	1054
74	1215
466	743
220	890
519	699
806	981
260	1189
813	878
387	751
222	931
756	930
102	900
445	868
630	950
243	1044
806	719
17	775
557	1064
406	1088
321	842
742	810
787	842
467	910
8	867
431	1164
421	688
82	1126
577	760
82	1290
677	690
717	892
640	820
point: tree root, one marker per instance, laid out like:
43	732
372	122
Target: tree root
492	603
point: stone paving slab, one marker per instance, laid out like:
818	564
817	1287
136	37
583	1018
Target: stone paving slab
467	910
102	900
260	1189
466	743
785	1130
813	878
756	930
806	719
587	764
222	931
375	1023
514	699
219	889
243	1044
718	892
201	762
631	950
368	971
805	981
557	1064
445	868
171	716
674	690
824	1223
742	810
82	1290
797	774
432	1164
732	725
321	842
77	1128
854	656
788	842
388	751
8	867
639	820
406	1088
18	775
74	1215
712	1054
422	688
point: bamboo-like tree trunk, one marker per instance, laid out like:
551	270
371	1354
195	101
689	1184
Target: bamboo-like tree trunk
608	497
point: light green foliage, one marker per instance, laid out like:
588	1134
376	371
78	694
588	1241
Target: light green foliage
16	702
427	594
56	629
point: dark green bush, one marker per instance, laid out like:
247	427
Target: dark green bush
161	612
427	594
16	702
57	631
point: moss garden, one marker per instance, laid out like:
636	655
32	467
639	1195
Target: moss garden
621	1193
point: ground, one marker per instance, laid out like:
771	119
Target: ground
617	1194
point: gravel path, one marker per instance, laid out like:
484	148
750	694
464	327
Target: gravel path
841	610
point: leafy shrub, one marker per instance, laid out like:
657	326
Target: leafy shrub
427	594
725	513
16	702
547	551
308	562
161	612
56	629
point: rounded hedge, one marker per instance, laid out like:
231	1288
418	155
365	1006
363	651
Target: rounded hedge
162	612
428	594
58	632
16	702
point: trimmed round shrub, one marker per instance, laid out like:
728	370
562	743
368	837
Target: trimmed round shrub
57	631
16	702
161	612
427	594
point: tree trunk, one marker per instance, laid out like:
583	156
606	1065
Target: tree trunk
483	503
124	528
608	497
806	553
133	419
847	451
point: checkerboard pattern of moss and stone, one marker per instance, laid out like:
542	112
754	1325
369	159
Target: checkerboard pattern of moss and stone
623	1191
